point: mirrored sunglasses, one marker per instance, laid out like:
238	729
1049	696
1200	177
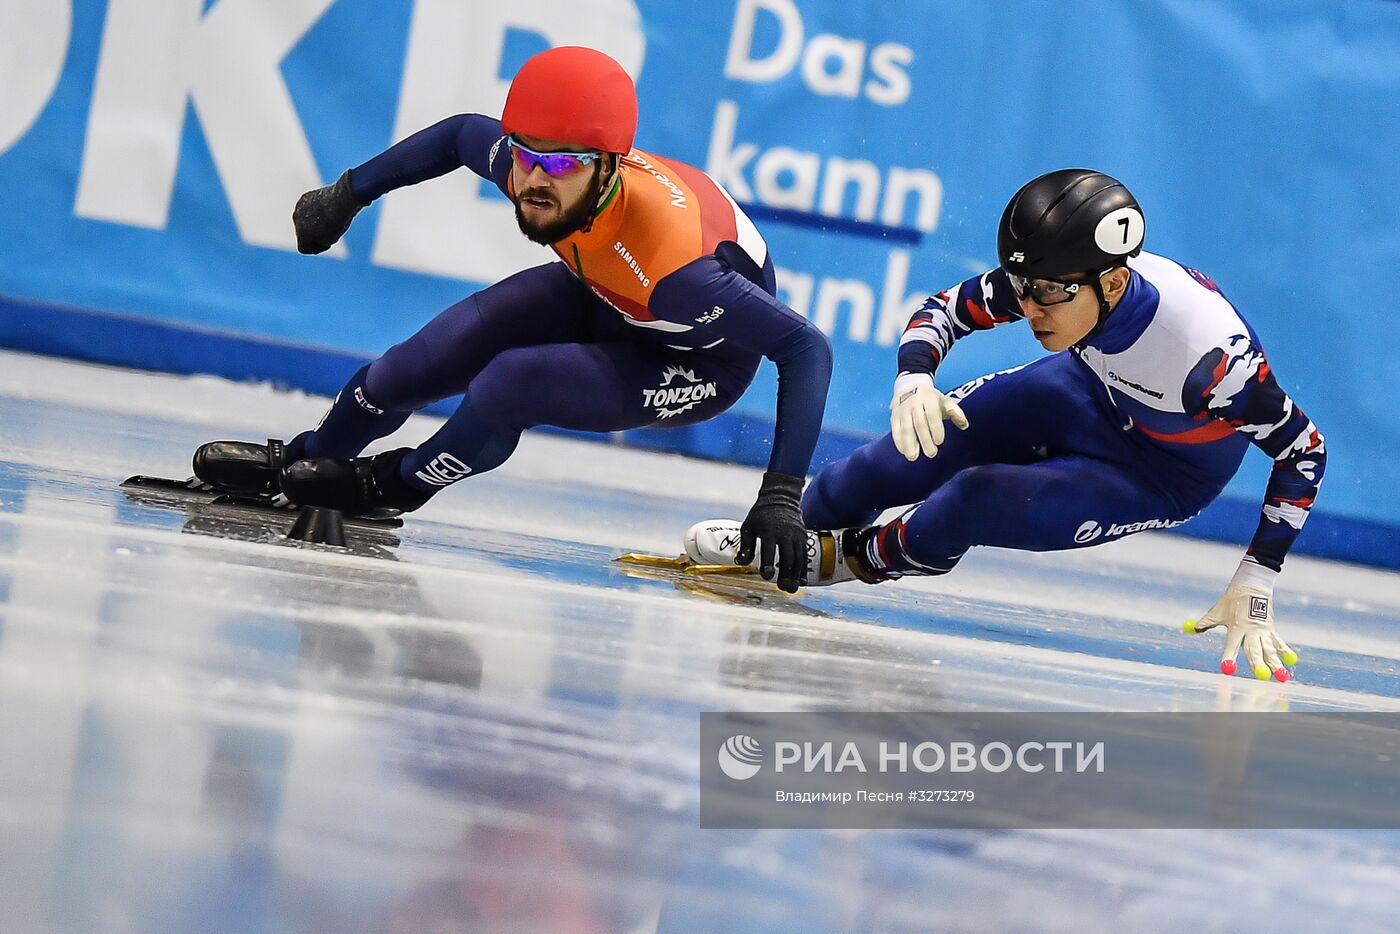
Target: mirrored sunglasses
555	164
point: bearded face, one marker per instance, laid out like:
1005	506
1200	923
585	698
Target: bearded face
549	212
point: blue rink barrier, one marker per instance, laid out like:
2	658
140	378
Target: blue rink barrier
874	145
121	340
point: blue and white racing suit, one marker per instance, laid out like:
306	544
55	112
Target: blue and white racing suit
1138	426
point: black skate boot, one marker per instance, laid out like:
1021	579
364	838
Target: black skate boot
359	486
242	468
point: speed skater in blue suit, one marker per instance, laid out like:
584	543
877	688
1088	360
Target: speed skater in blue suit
1155	389
656	313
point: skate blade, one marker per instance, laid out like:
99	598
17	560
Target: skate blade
165	491
725	570
684	565
724	583
143	484
653	561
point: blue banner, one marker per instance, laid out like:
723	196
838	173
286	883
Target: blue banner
151	150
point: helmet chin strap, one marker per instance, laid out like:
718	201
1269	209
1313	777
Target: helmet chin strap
1104	307
1103	303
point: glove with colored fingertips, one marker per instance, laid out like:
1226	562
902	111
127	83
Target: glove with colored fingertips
1247	613
917	413
322	215
774	526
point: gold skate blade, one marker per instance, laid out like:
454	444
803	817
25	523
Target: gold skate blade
734	584
683	564
653	561
729	570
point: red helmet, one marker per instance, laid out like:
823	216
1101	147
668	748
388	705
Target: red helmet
574	95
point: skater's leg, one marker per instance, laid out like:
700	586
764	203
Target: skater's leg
354	419
538	306
586	387
855	490
1061	503
1051	407
1064	502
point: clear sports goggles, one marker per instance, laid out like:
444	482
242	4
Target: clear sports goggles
1049	291
555	164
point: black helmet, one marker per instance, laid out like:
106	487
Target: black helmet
1067	222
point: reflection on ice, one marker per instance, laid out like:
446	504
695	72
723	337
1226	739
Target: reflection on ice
479	723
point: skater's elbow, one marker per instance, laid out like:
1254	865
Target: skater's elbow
809	344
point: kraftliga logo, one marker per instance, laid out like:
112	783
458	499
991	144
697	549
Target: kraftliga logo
740	757
1088	532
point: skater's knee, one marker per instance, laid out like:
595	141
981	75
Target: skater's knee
433	364
823	510
976	488
816	511
504	391
962	511
391	384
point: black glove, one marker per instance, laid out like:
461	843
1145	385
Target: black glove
322	215
776	520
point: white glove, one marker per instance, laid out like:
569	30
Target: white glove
1247	613
917	412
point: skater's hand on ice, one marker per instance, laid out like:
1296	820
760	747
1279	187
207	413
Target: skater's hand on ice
322	215
775	525
917	413
1247	613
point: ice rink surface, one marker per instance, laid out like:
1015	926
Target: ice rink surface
480	723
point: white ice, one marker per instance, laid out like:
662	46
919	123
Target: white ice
484	724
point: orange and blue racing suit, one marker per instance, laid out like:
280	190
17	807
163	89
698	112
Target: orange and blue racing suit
656	314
